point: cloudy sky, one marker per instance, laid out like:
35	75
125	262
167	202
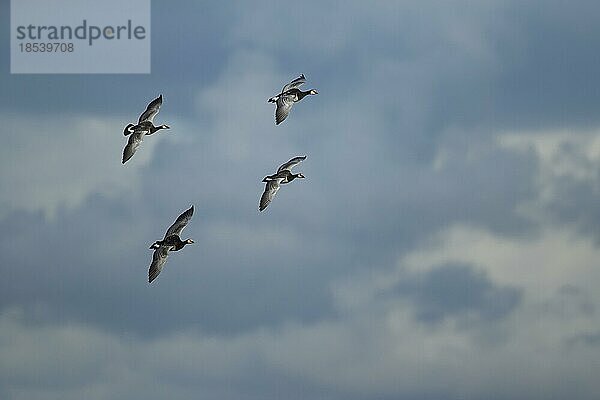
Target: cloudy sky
444	245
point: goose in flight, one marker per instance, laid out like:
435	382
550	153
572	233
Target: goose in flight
171	242
289	95
283	175
285	171
145	126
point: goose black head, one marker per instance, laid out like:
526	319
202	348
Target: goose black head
164	127
313	92
189	241
300	175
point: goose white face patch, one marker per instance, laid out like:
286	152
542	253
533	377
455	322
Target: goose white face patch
79	36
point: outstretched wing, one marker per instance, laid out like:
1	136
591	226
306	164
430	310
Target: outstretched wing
151	110
180	223
290	164
284	106
294	84
271	189
132	144
158	261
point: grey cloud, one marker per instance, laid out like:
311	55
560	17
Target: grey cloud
186	55
91	266
588	339
570	303
454	291
576	203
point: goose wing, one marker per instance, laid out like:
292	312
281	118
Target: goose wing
294	84
132	144
151	110
271	189
284	106
290	164
159	258
180	223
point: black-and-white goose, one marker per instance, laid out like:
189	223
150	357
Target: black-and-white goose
282	176
171	242
289	95
285	171
145	126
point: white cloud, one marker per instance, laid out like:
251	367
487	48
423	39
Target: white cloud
51	162
562	154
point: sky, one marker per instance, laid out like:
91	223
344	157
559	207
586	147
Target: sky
444	244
